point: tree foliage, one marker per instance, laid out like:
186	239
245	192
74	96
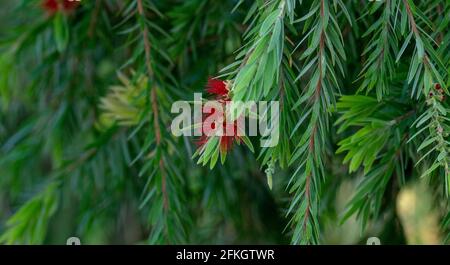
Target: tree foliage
85	113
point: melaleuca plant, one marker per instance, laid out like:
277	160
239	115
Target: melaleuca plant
86	94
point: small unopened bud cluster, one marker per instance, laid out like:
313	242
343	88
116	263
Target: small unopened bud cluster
437	93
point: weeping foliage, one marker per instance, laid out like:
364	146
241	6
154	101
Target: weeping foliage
85	113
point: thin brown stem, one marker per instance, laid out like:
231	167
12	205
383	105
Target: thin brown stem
153	101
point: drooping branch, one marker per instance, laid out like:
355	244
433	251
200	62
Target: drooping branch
153	97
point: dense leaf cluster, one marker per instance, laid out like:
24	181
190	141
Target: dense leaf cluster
85	114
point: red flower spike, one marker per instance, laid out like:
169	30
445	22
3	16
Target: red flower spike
225	142
217	87
69	5
202	141
437	87
220	89
51	6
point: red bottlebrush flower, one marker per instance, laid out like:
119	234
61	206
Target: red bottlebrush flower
230	130
217	87
51	6
202	140
437	87
225	141
69	5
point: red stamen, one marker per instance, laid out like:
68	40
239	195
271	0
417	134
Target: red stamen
50	5
217	87
69	5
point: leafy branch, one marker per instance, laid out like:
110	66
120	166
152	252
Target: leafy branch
426	71
164	181
379	68
324	54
